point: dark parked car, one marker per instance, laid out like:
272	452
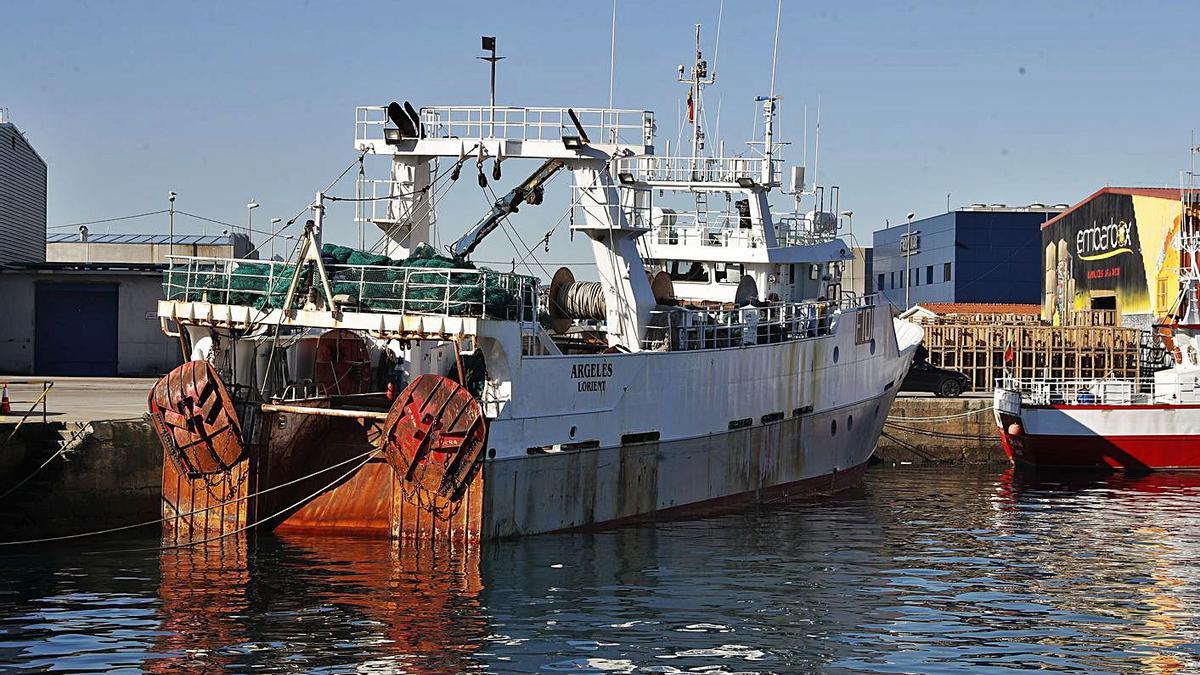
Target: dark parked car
923	376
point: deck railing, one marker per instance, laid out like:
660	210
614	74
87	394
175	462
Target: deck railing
413	290
602	125
686	169
679	329
1080	392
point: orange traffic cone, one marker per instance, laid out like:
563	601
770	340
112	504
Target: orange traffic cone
5	405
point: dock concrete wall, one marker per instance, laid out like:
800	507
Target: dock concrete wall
112	478
929	430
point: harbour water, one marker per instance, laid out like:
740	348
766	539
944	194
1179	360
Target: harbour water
920	570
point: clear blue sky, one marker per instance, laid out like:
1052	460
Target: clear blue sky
1009	102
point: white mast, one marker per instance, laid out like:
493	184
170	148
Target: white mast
696	80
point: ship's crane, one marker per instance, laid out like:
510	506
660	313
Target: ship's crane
529	191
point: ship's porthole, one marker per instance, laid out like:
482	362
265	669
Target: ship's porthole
835	354
491	453
872	346
571	433
850	423
833	427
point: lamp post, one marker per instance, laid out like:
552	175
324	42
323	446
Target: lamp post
274	231
907	250
849	215
250	217
489	45
171	223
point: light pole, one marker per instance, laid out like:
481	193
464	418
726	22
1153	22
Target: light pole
849	215
274	230
907	250
250	217
489	45
171	223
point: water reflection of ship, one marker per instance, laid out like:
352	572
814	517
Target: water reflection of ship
378	603
1147	511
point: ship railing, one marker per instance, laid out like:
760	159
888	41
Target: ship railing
703	227
797	230
602	125
688	169
708	228
479	293
680	329
378	202
1081	392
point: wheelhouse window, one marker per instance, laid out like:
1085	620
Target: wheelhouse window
687	270
729	273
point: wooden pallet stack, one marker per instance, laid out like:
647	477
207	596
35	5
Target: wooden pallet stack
978	348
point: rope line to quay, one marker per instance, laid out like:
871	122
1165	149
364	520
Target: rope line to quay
940	417
247	526
122	528
940	434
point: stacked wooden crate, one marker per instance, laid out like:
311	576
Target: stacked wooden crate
977	347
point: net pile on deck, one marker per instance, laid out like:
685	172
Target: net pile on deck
425	282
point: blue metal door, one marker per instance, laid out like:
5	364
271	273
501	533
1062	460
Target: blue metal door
76	329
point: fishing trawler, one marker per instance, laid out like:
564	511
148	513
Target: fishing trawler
416	395
1118	424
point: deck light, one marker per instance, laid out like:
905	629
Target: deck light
745	181
392	136
625	177
572	142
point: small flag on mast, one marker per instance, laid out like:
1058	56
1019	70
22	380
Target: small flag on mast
691	108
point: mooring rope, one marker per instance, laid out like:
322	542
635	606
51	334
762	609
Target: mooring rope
190	513
247	526
940	434
43	465
939	417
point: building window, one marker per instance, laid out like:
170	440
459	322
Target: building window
946	272
901	274
881	282
791	274
929	274
814	272
914	277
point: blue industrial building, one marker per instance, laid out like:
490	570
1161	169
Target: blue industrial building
974	254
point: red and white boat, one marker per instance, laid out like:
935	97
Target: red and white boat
1114	424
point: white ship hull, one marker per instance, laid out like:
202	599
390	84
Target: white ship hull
651	432
792	458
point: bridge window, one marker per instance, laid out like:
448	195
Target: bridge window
729	273
687	270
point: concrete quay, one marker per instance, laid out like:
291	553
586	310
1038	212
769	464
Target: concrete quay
923	429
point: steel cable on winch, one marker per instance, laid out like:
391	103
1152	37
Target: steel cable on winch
582	300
